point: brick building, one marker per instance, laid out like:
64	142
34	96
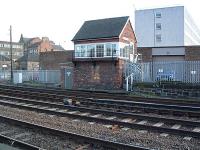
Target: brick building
101	49
171	34
54	60
32	49
170	53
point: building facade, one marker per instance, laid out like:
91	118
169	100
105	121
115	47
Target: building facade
54	60
101	49
168	26
32	49
166	34
169	54
5	54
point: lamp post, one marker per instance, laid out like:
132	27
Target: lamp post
11	63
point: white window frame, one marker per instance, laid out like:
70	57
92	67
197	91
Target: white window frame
108	46
100	50
124	50
92	45
95	45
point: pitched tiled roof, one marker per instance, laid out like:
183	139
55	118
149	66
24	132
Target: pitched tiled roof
35	45
22	59
58	47
27	39
103	28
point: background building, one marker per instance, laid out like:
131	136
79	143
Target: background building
5	53
54	60
169	26
166	34
32	49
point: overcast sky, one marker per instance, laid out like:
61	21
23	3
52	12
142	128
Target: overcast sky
60	19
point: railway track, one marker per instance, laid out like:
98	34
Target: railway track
115	105
123	120
103	95
26	131
14	143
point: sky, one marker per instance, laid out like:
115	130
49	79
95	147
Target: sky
61	19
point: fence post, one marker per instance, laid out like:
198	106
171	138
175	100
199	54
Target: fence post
127	84
46	75
132	82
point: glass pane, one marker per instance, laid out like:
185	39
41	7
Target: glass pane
90	51
114	49
77	51
83	50
108	50
100	50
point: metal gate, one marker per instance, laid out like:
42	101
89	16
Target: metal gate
133	73
68	78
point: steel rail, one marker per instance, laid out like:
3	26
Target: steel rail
17	143
91	140
128	103
113	122
107	94
131	105
120	114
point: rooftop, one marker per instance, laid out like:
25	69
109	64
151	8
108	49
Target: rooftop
102	28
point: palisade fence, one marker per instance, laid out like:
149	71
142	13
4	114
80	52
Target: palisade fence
183	71
42	76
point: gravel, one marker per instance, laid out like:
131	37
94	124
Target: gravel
40	139
131	136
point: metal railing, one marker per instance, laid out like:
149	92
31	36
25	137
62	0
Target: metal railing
183	71
42	76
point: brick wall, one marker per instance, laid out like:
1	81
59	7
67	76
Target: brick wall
127	33
192	53
45	45
98	75
34	40
54	60
146	54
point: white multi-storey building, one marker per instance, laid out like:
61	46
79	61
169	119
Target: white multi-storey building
166	34
168	26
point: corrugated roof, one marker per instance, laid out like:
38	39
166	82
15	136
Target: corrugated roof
102	28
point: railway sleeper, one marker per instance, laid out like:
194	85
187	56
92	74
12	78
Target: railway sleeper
178	113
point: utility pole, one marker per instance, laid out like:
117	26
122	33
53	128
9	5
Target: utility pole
11	63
